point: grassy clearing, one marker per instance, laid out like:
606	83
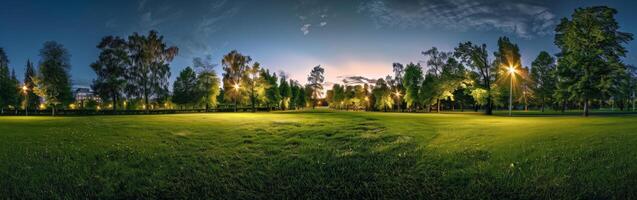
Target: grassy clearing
319	155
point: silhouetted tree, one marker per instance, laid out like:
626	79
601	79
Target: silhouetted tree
477	58
315	83
149	71
54	83
110	69
185	90
234	64
208	84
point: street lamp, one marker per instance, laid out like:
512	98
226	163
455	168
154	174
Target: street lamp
397	93
511	70
25	90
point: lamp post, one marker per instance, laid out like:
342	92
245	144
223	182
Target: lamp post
511	70
25	90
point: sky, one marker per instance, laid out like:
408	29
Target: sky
347	37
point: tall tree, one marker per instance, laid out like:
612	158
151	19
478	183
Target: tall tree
16	98
272	91
591	47
506	70
32	100
382	95
412	81
477	57
286	92
315	83
185	90
253	81
234	66
149	71
54	82
543	75
5	81
110	69
208	84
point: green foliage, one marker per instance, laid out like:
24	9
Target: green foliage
286	92
32	100
272	91
54	83
185	88
208	84
591	47
111	69
9	86
477	58
149	71
543	74
315	83
412	83
234	66
383	95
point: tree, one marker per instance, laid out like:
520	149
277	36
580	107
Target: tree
412	82
110	69
185	90
477	58
254	83
149	71
298	99
54	83
32	100
506	68
208	84
315	83
286	92
272	91
591	50
382	95
6	88
543	75
234	64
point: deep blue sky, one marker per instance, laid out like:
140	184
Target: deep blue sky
347	37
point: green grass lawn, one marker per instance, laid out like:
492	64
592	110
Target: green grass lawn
319	155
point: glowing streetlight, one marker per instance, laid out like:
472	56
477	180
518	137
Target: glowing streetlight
236	86
397	93
511	71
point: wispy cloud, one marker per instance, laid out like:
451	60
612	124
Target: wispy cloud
312	12
357	80
524	19
305	28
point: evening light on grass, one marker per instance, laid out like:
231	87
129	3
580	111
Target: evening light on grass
318	99
320	154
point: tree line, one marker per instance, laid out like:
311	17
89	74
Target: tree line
133	73
587	71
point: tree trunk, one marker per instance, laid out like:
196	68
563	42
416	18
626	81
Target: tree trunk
114	103
586	107
438	105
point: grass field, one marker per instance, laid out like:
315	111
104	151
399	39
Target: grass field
319	155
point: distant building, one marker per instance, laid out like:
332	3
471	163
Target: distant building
83	95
